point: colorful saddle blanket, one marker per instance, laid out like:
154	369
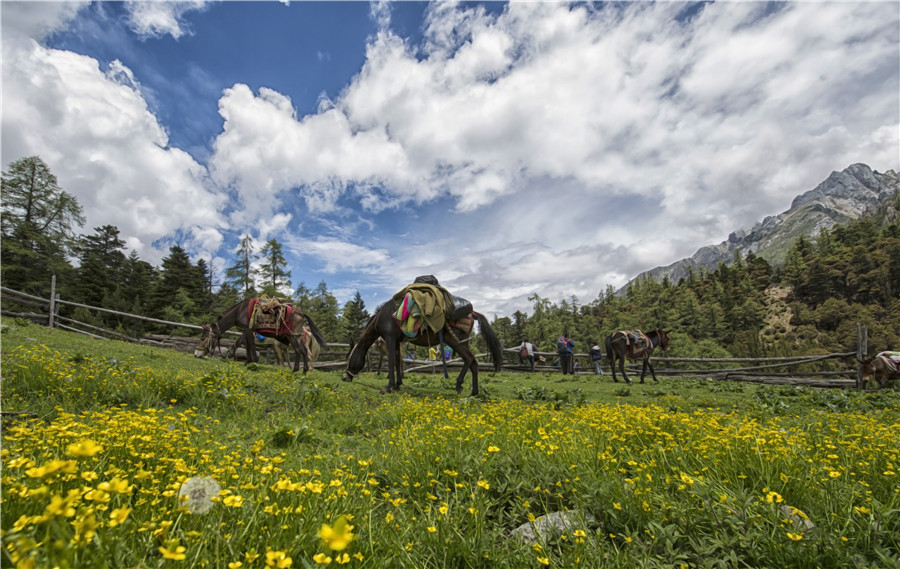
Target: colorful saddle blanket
638	343
422	304
891	360
270	316
409	316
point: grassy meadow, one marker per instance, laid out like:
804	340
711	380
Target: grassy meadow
138	457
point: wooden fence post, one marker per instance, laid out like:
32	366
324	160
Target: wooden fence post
862	350
51	322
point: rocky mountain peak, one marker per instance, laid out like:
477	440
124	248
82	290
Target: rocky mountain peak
842	197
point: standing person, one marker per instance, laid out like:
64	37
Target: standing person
432	353
564	346
526	352
596	355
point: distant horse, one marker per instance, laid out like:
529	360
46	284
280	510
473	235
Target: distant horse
239	315
381	348
619	347
881	368
383	325
312	347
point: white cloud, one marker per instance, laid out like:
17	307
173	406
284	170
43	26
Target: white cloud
38	19
94	130
156	18
578	145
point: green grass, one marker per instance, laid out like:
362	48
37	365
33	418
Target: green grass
683	473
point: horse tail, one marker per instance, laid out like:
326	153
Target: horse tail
607	343
315	332
493	343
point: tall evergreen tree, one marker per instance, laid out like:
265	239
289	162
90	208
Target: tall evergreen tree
355	316
240	274
177	286
37	223
273	272
102	263
322	307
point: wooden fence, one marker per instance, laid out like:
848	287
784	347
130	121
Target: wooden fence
761	370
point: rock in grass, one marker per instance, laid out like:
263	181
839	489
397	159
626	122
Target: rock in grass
552	525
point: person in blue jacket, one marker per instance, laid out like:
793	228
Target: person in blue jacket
564	347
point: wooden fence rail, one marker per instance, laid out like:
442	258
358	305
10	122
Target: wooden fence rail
50	316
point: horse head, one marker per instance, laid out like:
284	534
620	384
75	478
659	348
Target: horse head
663	339
355	360
207	341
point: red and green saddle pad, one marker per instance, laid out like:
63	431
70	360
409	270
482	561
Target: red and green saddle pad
464	324
638	342
274	319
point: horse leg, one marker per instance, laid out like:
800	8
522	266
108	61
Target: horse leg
644	365
653	373
250	346
469	363
622	369
393	349
299	352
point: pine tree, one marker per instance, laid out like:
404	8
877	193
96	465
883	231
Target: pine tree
273	273
37	223
240	274
355	316
177	287
102	263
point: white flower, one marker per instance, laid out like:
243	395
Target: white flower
196	494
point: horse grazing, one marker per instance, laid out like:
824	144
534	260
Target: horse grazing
288	331
621	345
281	357
882	367
383	325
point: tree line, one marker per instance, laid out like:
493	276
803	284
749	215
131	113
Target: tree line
746	308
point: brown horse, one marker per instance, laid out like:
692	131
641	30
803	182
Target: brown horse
281	357
239	315
880	368
619	347
383	325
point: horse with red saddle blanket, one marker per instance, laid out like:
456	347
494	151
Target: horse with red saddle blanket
269	317
633	344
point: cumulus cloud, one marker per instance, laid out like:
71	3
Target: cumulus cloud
94	129
152	18
38	19
718	117
568	147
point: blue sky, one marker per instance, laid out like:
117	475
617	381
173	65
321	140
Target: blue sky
508	149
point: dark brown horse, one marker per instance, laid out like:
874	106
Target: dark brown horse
620	346
880	368
239	315
383	325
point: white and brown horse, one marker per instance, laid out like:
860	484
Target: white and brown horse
288	331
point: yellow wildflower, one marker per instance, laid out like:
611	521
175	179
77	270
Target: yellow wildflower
173	551
321	559
84	448
118	516
337	538
278	559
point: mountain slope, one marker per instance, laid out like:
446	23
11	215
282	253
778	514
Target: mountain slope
843	196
